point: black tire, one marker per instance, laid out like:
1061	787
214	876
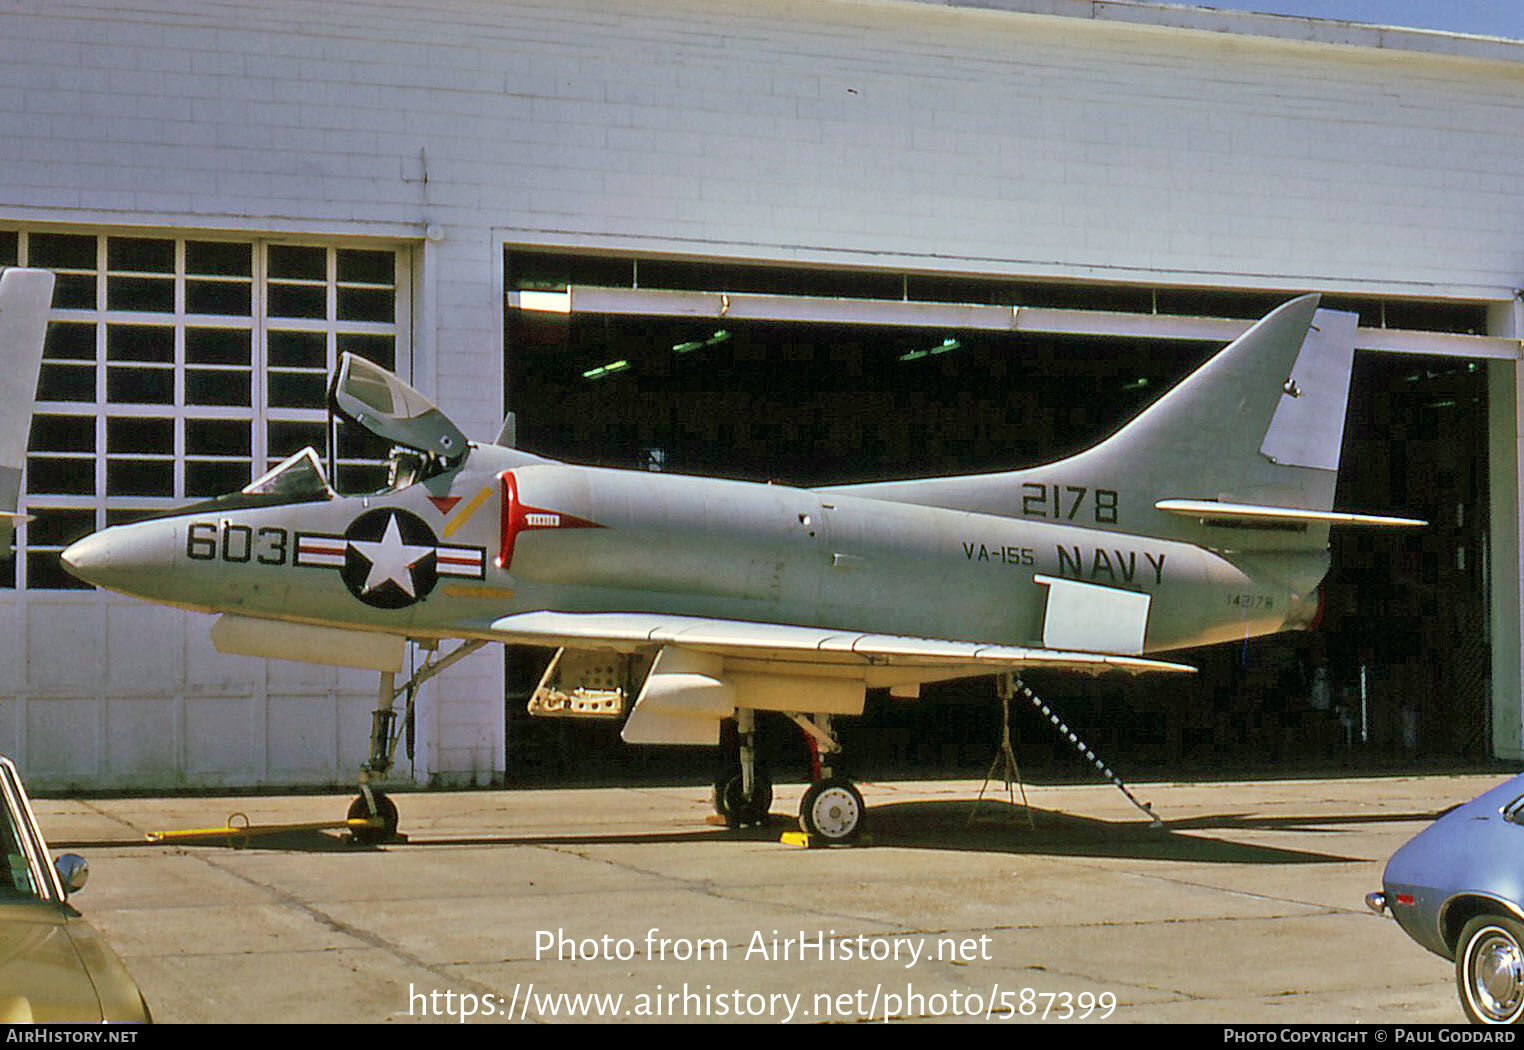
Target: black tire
832	810
722	785
735	807
386	809
1489	969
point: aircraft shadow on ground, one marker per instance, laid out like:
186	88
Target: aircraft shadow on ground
999	827
993	826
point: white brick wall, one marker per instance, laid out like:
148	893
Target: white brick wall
885	134
904	134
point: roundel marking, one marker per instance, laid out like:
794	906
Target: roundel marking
390	558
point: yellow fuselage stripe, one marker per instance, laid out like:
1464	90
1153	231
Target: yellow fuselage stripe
454	524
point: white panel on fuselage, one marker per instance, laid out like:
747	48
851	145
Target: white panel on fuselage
1092	618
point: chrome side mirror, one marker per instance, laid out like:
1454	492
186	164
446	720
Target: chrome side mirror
73	872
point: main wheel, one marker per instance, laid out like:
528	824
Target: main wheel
386	809
1489	969
731	803
832	810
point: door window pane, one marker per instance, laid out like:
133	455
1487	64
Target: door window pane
188	389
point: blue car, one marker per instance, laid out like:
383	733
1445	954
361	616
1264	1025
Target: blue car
1456	888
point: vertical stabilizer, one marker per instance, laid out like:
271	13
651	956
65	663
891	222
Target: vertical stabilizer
25	298
1259	425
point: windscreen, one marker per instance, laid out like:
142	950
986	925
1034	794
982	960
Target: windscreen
297	477
18	878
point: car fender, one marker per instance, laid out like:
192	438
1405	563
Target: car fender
1461	908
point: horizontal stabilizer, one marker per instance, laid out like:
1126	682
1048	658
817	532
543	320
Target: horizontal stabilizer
1229	515
802	645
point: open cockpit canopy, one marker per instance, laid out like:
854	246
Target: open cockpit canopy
369	395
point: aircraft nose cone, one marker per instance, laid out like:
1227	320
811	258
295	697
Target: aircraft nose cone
88	558
130	558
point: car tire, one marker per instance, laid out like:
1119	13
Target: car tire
1489	969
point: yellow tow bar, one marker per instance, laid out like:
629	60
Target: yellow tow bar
236	834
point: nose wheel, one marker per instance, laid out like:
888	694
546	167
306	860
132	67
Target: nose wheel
373	820
738	807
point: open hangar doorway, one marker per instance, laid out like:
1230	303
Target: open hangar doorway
1396	673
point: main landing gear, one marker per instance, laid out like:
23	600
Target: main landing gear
372	815
832	810
743	792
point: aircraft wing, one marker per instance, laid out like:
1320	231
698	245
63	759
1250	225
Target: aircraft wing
788	644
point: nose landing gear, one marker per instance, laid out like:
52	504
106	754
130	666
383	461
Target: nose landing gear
372	818
372	815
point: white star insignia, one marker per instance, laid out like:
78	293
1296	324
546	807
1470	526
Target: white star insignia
390	559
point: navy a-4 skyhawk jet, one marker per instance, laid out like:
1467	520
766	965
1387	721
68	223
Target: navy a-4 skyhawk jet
1205	519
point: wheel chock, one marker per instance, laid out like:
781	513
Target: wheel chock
715	820
804	840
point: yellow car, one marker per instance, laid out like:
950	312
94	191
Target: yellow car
53	966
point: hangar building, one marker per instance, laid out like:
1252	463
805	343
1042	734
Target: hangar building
817	242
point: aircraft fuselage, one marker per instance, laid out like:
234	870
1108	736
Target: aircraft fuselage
491	539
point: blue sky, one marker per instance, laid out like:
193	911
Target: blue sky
1486	17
